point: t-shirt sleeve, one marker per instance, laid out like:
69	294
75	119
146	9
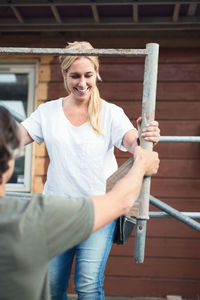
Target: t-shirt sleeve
33	125
68	221
120	125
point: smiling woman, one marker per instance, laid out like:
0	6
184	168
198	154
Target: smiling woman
80	131
80	80
80	75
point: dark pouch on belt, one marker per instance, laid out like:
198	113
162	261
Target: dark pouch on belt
123	230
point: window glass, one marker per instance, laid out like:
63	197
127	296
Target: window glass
16	94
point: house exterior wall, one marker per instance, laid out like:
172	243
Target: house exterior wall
172	258
171	263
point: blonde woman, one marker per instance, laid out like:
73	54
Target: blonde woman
80	131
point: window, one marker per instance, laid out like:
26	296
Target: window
17	85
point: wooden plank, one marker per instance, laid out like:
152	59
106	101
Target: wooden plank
175	168
154	287
133	69
135	72
169	187
41	165
179	168
179	55
171	150
44	73
56	75
42	91
166	55
165	110
152	267
165	91
177	110
170	228
161	248
133	91
180	127
182	204
38	184
178	150
40	150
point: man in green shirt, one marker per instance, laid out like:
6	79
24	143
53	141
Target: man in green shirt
34	230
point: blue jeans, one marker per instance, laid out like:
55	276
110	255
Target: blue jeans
91	258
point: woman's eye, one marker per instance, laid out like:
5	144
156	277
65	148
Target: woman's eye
78	76
75	76
88	75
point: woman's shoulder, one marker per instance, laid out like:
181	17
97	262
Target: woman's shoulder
109	107
50	105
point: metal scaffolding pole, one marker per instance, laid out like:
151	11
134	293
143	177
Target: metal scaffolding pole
180	139
175	213
61	51
161	214
148	113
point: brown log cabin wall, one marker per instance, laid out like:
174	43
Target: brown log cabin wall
172	258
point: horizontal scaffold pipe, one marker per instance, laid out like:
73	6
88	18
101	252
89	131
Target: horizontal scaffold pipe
161	214
63	51
180	139
174	213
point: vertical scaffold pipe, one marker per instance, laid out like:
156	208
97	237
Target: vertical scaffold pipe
148	113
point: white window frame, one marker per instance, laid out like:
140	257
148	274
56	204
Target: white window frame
30	69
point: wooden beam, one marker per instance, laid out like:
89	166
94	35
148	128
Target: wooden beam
135	13
92	27
176	12
86	3
56	14
17	14
192	9
95	13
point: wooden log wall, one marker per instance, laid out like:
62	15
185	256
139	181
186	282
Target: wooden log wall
172	259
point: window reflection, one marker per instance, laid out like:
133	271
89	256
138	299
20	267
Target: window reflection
14	95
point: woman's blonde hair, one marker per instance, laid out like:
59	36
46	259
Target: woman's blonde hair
95	103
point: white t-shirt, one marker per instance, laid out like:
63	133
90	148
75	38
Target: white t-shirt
78	155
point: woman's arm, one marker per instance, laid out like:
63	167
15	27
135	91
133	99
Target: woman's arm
26	138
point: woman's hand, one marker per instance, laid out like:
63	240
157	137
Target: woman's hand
150	133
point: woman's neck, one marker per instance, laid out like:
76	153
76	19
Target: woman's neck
71	102
75	113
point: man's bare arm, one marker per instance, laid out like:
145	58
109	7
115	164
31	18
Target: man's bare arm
126	191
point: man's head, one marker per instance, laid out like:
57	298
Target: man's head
9	144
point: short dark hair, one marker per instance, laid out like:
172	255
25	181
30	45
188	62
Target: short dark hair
9	139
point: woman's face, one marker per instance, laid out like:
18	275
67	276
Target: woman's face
81	79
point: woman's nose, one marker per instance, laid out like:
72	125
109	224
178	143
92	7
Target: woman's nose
82	82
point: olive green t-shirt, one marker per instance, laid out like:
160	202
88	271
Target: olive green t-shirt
32	231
